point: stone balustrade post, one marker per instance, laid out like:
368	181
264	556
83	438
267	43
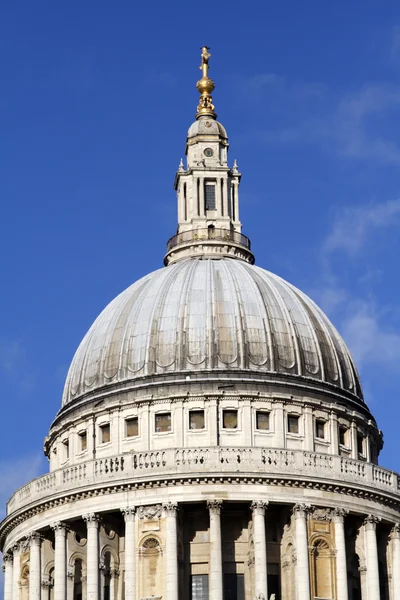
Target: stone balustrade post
93	557
8	576
302	568
170	510
371	551
395	536
60	560
114	576
35	566
130	553
216	584
341	564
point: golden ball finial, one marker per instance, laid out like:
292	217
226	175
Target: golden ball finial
205	86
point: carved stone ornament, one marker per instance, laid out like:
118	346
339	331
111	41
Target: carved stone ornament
8	557
395	533
260	596
322	514
70	575
150	512
35	538
259	507
46	582
214	506
114	573
170	508
339	514
150	543
59	527
371	521
91	519
129	513
301	510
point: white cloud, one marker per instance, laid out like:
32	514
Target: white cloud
11	354
348	125
352	228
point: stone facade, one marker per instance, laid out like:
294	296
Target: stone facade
234	461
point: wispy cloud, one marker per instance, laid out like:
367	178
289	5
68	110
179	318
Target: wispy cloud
15	473
353	226
347	124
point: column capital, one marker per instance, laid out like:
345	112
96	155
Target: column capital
92	520
170	508
214	506
114	573
339	514
71	575
259	507
60	527
129	513
35	539
300	510
371	521
322	514
8	557
395	532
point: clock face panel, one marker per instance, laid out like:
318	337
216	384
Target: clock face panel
208	152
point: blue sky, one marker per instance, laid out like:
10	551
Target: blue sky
95	102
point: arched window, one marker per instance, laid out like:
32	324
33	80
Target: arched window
78	580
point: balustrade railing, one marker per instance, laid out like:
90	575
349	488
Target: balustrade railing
208	235
205	461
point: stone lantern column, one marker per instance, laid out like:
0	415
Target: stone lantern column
216	584
8	576
16	570
35	566
371	551
93	558
303	570
171	547
60	561
260	549
395	535
130	553
341	565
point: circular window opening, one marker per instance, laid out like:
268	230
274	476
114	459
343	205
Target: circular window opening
208	152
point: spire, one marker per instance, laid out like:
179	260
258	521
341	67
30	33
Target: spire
205	86
207	189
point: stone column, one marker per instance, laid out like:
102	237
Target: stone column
60	561
371	554
334	434
8	576
395	535
341	565
171	550
114	575
130	553
93	558
260	549
226	197
216	584
35	566
302	571
16	571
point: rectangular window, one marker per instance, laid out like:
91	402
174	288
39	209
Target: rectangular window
105	433
196	419
163	422
132	427
199	587
230	419
293	423
343	435
360	443
234	586
262	420
83	440
66	449
209	195
320	429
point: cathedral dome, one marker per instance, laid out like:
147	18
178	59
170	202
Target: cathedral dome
200	316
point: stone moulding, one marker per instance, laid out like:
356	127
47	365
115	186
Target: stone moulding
274	467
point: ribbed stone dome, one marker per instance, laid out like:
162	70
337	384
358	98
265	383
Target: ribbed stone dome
210	315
